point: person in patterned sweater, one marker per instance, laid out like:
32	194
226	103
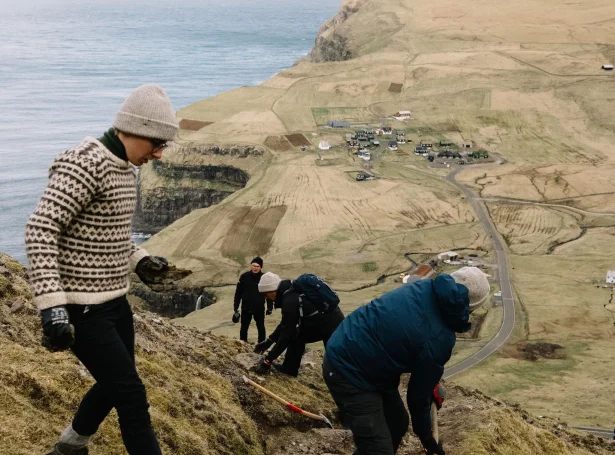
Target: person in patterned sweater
80	251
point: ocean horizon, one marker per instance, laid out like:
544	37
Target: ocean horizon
67	66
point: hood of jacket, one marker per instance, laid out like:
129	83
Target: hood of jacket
453	302
284	286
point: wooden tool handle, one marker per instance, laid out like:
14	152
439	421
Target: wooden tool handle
281	400
434	421
265	391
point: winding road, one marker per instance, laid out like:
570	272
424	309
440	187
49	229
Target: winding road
508	321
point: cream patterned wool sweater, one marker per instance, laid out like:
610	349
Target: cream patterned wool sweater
78	240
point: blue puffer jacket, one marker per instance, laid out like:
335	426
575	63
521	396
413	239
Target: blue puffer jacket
408	330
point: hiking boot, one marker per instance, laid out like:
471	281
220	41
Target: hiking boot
280	369
65	449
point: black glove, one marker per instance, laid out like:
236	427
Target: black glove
151	269
58	333
236	317
263	346
433	448
263	367
268	312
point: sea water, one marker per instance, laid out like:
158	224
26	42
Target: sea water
66	66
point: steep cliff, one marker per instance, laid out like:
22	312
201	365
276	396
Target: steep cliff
331	45
193	177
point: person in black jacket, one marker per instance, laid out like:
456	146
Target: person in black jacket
252	302
301	323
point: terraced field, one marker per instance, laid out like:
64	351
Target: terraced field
533	230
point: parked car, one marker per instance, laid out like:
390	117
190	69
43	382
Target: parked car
461	162
364	176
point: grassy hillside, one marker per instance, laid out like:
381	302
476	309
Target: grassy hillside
200	405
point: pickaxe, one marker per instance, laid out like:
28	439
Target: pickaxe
439	393
290	406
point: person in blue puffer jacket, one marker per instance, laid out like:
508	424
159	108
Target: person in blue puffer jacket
408	330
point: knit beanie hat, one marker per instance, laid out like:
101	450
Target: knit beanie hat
269	282
257	260
476	282
147	113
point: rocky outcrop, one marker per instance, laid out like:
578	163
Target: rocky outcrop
176	303
163	206
225	174
240	151
330	45
186	186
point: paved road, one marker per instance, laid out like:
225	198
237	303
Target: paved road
601	432
508	322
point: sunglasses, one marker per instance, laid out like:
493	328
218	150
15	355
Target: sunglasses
158	145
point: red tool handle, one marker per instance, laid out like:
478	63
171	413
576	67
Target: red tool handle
294	408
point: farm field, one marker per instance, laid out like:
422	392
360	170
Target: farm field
495	76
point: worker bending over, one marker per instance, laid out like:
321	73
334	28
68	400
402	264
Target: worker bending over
310	313
408	330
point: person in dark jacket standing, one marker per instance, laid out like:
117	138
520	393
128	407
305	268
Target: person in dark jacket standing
252	302
301	323
408	330
80	252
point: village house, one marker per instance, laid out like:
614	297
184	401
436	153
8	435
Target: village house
449	255
402	115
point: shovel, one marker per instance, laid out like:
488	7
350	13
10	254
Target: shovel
290	406
434	421
439	393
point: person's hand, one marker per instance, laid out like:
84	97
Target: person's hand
236	317
151	269
263	367
263	346
433	448
58	333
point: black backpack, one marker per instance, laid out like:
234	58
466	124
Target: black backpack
315	290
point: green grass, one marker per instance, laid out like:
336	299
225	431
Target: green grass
369	266
322	115
524	374
314	253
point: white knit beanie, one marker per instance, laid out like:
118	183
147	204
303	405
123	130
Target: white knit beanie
147	113
476	282
269	282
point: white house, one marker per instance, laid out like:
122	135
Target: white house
403	115
610	277
324	145
449	255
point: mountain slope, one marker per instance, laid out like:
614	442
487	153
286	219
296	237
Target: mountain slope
201	406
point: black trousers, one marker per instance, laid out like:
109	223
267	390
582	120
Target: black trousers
246	319
378	420
311	330
104	343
